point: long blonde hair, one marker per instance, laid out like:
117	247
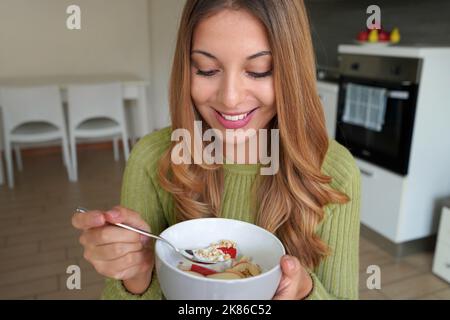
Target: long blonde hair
290	203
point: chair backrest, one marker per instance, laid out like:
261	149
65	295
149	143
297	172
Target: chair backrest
89	101
22	105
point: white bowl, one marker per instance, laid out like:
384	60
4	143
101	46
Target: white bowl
263	247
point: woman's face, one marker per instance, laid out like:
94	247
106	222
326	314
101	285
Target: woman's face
231	72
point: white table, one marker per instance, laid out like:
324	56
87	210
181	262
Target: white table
134	89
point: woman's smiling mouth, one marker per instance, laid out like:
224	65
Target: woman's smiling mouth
236	120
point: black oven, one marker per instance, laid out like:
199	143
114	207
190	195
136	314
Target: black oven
383	139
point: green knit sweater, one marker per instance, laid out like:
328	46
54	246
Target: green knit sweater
336	277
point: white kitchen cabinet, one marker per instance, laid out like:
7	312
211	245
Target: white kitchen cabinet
381	199
328	93
441	262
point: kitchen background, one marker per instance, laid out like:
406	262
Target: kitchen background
132	42
336	21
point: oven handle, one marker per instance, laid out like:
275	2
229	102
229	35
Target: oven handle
393	94
397	94
366	172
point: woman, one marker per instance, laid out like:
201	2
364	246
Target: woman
249	65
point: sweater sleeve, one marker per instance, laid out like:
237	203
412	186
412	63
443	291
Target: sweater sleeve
337	276
140	194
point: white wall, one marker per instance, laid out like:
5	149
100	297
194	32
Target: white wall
113	38
164	20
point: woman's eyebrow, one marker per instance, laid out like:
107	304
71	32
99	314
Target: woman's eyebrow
253	56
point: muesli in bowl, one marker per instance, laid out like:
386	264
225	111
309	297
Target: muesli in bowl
228	264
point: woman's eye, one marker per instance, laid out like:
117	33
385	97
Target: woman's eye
260	75
255	75
208	73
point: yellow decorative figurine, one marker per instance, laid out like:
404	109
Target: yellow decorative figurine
373	35
395	36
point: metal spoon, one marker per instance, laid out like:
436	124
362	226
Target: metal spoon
186	253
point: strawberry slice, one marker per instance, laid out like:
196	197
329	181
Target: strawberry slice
202	270
231	251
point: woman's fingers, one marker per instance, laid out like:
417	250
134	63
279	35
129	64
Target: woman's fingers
115	252
111	251
88	220
127	266
120	214
135	270
109	235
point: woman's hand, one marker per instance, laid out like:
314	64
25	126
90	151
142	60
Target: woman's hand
116	252
295	282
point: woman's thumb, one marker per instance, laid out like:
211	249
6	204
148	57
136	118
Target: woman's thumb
289	265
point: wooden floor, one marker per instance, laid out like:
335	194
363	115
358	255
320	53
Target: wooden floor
37	242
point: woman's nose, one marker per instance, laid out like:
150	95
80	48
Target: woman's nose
231	91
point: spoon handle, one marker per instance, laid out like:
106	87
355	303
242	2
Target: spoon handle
145	233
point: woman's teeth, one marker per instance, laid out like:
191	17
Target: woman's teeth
235	117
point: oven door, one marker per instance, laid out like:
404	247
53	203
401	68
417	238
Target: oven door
388	147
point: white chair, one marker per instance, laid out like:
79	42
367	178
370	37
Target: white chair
96	111
17	152
32	115
18	162
2	175
2	179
